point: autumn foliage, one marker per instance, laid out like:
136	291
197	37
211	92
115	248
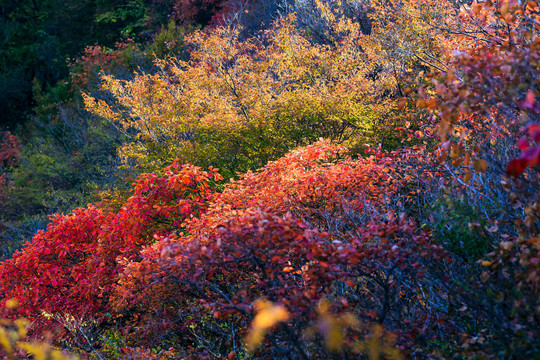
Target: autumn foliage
77	257
238	104
377	193
9	150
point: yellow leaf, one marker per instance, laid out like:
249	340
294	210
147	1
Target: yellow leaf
267	316
38	350
6	343
12	304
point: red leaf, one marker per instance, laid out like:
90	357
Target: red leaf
516	167
528	103
523	144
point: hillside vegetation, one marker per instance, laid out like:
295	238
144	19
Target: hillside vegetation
300	180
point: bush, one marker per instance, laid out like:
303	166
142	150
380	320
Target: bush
238	104
80	254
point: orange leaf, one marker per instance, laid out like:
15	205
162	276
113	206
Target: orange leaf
480	165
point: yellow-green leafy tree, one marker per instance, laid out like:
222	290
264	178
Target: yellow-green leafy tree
237	104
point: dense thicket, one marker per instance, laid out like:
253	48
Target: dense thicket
354	180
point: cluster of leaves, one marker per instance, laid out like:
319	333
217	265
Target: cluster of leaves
125	57
286	260
494	82
283	260
77	256
15	343
239	103
188	12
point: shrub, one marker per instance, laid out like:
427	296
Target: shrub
72	266
239	103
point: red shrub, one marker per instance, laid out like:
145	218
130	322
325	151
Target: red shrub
235	253
57	271
71	267
317	183
201	287
9	150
